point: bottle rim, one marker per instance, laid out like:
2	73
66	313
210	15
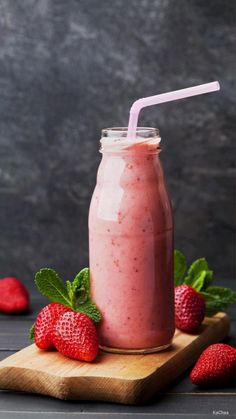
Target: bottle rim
147	139
142	132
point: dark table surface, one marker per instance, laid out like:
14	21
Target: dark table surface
180	399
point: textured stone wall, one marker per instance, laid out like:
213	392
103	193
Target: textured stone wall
68	69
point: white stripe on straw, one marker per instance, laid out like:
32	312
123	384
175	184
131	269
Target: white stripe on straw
165	97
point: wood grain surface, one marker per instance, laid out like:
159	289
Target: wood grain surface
127	379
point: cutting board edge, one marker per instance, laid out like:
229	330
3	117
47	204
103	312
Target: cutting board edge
101	388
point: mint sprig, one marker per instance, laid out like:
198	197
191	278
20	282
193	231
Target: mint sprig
50	285
200	277
75	295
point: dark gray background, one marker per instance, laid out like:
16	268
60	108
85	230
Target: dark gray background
70	68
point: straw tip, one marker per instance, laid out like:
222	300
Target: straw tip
217	85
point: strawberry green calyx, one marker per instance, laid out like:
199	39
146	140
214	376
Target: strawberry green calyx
200	278
75	295
31	334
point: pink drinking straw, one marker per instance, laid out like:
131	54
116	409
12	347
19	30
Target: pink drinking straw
165	97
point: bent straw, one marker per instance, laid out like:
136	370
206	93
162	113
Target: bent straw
165	97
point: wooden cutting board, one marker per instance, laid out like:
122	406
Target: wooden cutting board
129	379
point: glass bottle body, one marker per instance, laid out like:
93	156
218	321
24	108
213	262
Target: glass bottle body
131	250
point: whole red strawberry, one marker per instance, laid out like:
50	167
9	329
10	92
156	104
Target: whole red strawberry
216	366
189	309
14	297
75	336
44	324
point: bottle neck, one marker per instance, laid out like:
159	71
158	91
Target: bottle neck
114	140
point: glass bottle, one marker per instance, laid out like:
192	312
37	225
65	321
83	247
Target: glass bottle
131	244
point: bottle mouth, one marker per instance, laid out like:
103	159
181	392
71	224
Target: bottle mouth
115	139
143	132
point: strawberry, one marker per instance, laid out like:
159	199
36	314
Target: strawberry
215	366
44	324
189	309
74	335
14	297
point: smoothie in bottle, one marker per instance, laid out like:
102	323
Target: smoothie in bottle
131	236
131	244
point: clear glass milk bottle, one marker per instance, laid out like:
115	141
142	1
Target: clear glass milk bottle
131	245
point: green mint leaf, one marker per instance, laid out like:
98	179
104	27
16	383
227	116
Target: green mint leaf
75	295
198	282
80	287
91	310
195	269
81	296
207	280
224	293
180	267
69	289
31	334
218	299
49	284
202	281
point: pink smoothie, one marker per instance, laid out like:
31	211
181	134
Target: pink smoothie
131	249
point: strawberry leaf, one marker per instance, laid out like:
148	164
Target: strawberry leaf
91	310
195	270
31	334
81	296
49	284
75	295
207	280
200	278
69	289
198	282
218	299
80	287
180	267
202	281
